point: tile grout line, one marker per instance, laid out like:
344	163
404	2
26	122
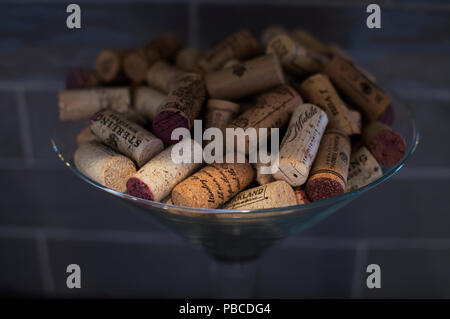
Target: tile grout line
358	271
44	263
193	23
24	125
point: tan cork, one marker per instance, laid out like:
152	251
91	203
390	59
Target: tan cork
309	41
82	104
125	136
187	60
272	195
294	57
162	76
270	32
273	109
104	165
261	176
109	65
363	169
356	122
335	49
156	179
147	101
300	144
328	176
240	45
220	113
213	185
167	44
245	79
357	87
318	89
137	63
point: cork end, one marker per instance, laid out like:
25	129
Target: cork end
138	188
167	121
323	188
301	196
388	147
108	65
135	67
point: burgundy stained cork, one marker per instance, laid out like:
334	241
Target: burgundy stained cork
156	179
328	175
82	79
240	45
213	185
386	145
182	106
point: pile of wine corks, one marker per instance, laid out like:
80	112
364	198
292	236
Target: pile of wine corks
334	121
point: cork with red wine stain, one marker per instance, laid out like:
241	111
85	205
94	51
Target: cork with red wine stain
328	175
182	106
300	194
156	179
386	145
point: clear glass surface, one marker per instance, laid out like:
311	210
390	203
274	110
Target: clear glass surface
239	235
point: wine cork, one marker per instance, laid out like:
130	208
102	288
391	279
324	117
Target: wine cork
318	90
231	63
147	101
137	63
109	65
363	169
82	104
300	194
213	185
328	175
306	39
386	145
86	135
220	113
167	44
162	76
182	106
270	32
125	136
240	45
187	60
272	195
355	121
167	200
245	79
358	88
156	179
335	49
294	57
104	165
300	144
82	79
273	109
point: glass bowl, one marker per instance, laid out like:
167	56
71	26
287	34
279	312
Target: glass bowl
239	235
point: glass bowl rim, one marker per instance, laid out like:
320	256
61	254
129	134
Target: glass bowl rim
251	212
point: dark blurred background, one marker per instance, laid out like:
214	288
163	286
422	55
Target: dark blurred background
49	218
